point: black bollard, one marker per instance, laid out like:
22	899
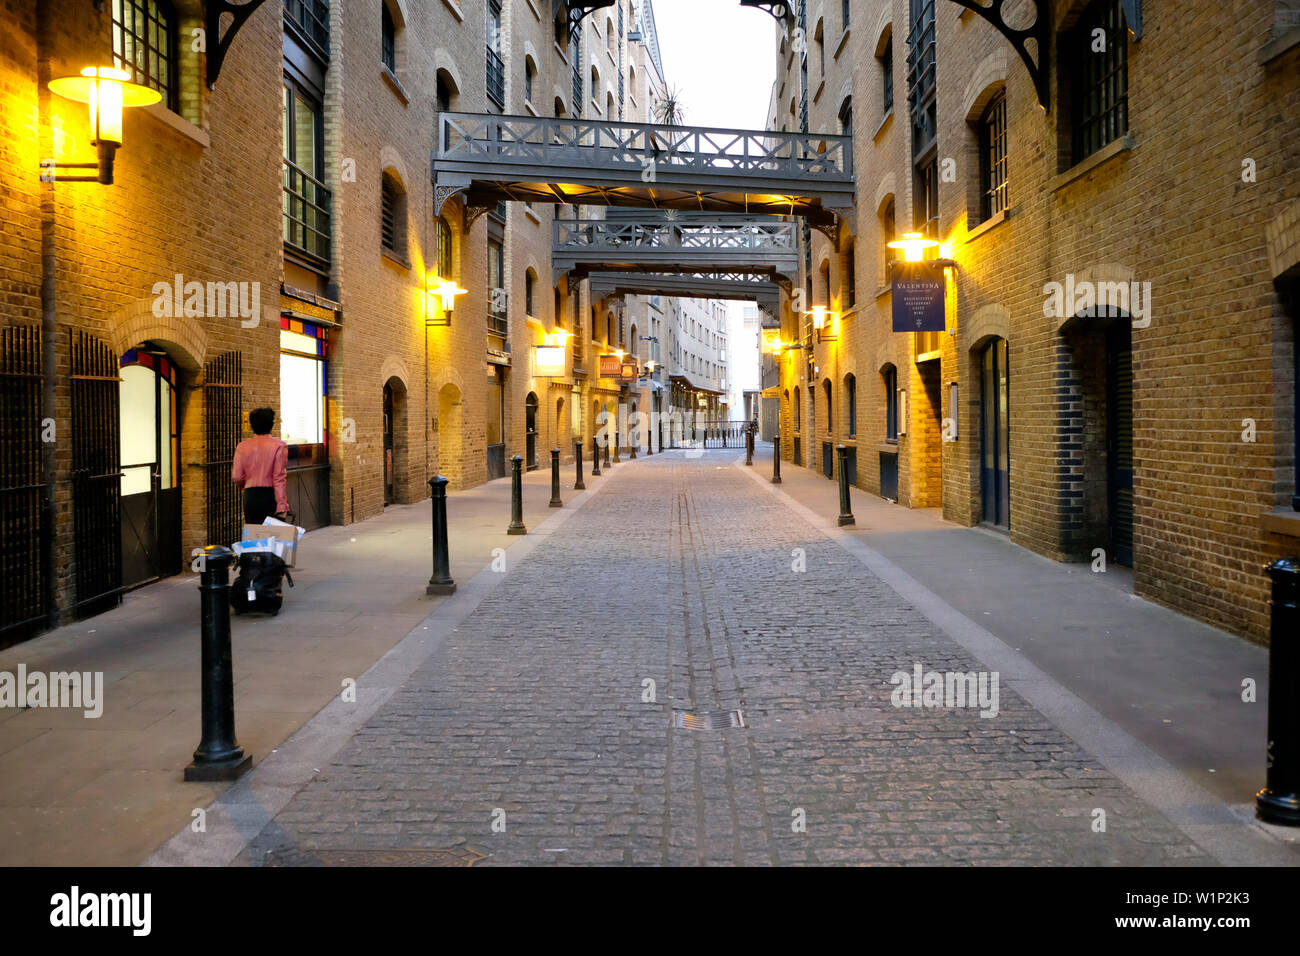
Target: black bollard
440	581
607	461
1279	801
218	756
595	458
517	496
633	442
846	513
650	435
555	479
776	458
578	485
617	439
749	446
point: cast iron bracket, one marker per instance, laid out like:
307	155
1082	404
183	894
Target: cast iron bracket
1039	32
219	44
779	9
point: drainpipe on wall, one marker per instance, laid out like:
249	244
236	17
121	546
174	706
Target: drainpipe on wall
49	328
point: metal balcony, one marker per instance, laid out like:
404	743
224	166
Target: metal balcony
711	285
490	158
694	244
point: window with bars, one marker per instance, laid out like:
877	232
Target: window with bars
496	66
144	45
388	39
392	216
1098	77
498	316
993	158
306	200
887	75
925	197
890	382
443	241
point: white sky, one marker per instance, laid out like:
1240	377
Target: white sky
721	57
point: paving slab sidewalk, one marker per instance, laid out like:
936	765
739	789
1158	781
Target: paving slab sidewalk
108	790
1171	682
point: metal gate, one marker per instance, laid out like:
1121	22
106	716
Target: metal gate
223	412
96	475
24	597
1119	420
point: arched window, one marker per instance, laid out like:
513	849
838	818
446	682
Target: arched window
889	381
530	74
830	416
530	286
851	402
798	410
992	131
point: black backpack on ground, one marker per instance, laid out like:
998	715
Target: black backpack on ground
257	586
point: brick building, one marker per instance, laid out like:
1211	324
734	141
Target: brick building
1153	167
294	171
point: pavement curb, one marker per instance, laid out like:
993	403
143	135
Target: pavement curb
239	814
1228	832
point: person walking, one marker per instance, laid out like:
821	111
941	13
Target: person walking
261	469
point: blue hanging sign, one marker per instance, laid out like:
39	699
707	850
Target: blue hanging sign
917	290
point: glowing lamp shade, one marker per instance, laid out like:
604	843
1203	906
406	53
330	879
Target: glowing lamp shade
650	365
913	245
818	314
446	290
106	91
550	361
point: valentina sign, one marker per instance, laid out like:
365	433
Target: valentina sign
917	292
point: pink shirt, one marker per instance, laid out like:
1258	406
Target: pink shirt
263	462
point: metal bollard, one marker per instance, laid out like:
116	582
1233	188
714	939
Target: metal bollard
440	582
1279	801
218	756
578	485
517	496
749	446
555	479
776	458
846	513
607	461
595	458
633	442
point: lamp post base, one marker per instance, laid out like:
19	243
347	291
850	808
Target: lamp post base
230	769
441	588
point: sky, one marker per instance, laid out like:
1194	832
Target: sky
721	57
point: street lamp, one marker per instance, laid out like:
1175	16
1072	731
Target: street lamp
106	91
913	245
819	315
446	291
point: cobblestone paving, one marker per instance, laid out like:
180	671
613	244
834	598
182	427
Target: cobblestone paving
681	572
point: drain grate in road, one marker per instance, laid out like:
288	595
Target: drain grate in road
708	719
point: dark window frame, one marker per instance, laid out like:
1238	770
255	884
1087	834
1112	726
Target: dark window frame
148	65
993	157
387	39
306	187
890	377
1098	82
851	402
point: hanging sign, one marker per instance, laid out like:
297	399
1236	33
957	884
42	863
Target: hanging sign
549	361
610	366
917	291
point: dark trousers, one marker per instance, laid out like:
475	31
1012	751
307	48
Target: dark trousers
259	504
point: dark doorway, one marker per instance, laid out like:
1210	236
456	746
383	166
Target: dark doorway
1119	438
530	430
389	497
995	433
150	448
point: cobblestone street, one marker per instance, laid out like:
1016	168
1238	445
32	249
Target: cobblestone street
527	737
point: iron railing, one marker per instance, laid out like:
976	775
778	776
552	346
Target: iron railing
605	145
223	401
658	233
306	214
24	596
96	475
